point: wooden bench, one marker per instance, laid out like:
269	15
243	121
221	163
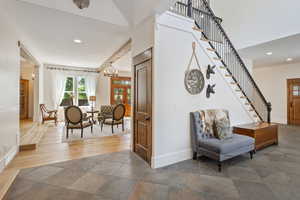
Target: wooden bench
265	134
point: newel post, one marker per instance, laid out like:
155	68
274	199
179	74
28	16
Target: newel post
269	108
190	7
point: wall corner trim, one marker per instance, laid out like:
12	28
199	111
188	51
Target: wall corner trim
8	157
171	158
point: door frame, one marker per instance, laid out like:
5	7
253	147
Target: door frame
289	82
24	52
139	59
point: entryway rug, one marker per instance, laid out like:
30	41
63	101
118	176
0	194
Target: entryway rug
97	133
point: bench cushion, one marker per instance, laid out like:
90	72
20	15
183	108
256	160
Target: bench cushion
226	146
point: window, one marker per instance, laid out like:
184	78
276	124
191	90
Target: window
75	92
82	98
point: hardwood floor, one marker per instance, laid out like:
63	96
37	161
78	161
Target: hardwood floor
52	150
30	134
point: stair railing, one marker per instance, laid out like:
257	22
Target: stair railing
213	32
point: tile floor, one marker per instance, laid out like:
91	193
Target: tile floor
273	174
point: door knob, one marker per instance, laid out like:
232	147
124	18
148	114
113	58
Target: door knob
147	118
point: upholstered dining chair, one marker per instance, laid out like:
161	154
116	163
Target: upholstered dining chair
48	115
117	117
75	119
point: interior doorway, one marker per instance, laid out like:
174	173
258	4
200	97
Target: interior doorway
293	101
28	98
143	105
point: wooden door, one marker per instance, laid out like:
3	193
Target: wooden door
24	92
121	92
143	105
293	105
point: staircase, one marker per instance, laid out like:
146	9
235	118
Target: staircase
225	56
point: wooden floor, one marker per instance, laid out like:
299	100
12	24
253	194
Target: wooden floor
30	135
52	150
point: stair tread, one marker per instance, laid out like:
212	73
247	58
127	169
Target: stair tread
197	29
211	49
216	58
209	40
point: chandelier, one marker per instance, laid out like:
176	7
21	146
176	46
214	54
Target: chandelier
110	71
82	3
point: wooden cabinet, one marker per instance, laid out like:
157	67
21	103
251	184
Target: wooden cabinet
24	92
264	134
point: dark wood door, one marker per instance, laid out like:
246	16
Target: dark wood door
24	92
293	105
121	92
143	105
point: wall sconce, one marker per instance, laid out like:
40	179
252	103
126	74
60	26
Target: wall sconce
33	76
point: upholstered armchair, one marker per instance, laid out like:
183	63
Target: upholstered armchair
75	119
106	112
204	143
117	117
48	115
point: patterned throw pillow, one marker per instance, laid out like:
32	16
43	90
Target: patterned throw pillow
222	128
207	118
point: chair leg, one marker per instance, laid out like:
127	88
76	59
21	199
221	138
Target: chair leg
112	129
195	155
82	133
67	133
101	126
220	166
251	154
92	128
123	128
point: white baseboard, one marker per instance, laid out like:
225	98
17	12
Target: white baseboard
171	158
7	158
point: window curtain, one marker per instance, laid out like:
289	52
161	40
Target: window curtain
58	86
91	82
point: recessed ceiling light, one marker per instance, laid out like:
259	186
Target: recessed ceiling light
289	59
77	41
269	53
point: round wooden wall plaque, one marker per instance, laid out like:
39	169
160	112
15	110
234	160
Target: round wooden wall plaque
194	81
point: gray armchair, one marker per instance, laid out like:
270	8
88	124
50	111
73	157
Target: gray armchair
204	144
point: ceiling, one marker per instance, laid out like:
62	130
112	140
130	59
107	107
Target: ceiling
48	28
282	49
124	63
103	10
51	32
252	22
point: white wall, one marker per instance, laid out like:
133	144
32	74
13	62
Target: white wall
172	103
251	22
273	83
9	80
143	36
104	85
